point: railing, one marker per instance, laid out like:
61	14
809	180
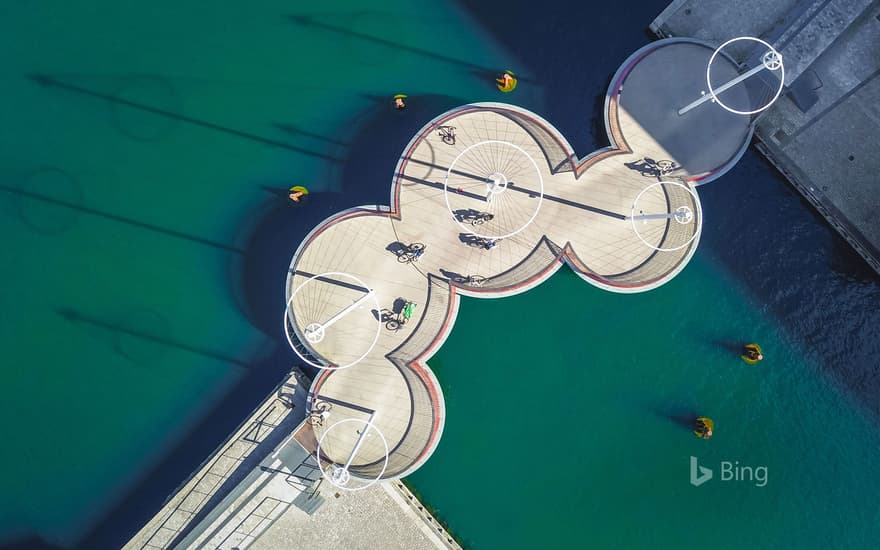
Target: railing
542	256
558	158
296	342
433	319
423	420
663	262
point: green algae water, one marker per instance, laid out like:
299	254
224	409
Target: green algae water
144	154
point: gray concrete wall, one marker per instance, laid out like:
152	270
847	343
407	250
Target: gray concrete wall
822	133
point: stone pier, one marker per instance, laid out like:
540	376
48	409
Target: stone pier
822	133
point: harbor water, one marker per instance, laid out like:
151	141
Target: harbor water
145	154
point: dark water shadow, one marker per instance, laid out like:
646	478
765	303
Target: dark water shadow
271	234
83	319
798	270
161	92
569	54
32	195
257	281
28	542
51	82
598	130
847	263
734	347
769	240
156	484
312	23
297	131
680	415
375	146
67	192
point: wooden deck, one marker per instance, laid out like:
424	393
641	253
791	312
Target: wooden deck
507	163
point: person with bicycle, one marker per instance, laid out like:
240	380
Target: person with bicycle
319	414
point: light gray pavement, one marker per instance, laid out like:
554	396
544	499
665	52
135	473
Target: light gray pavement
716	21
702	140
364	520
226	469
252	494
823	136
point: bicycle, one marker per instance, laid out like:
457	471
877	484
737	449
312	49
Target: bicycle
482	242
395	321
651	168
471	280
319	413
447	134
411	253
665	167
482	218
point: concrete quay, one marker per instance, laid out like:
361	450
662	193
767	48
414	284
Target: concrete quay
260	489
822	131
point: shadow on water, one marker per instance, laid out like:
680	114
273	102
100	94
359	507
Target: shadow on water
733	347
51	82
297	131
365	180
565	55
258	282
773	243
31	195
83	319
313	23
847	263
797	268
29	542
598	130
158	483
683	417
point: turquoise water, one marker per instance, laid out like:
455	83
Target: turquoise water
575	433
144	154
144	151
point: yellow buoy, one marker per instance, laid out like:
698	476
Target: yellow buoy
297	192
506	84
704	427
752	354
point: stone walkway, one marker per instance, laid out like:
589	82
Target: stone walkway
263	490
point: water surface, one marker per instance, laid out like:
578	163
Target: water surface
144	155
